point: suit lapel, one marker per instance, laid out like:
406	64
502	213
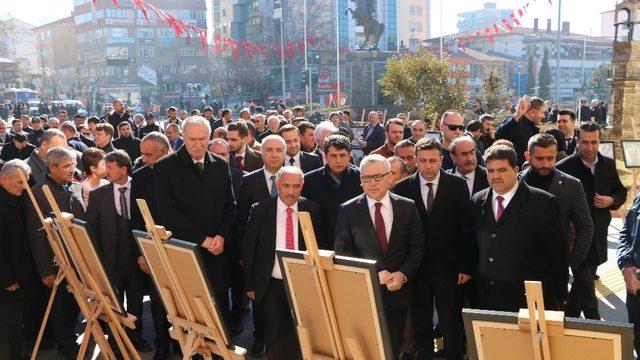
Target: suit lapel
272	213
418	194
366	217
487	209
514	205
443	187
392	241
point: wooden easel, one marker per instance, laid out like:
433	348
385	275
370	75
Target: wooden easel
544	323
190	334
93	305
322	261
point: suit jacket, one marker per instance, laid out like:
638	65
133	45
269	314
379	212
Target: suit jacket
69	200
177	144
131	145
236	181
143	187
519	133
374	136
321	188
571	146
447	232
309	162
574	212
10	152
524	244
85	140
103	224
356	237
447	161
16	265
252	160
254	189
38	168
480	181
259	243
605	182
194	206
115	119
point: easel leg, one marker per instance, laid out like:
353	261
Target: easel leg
356	350
305	343
88	331
99	336
117	337
191	338
54	290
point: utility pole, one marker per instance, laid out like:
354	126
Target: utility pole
558	53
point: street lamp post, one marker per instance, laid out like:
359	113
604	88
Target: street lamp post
558	53
306	62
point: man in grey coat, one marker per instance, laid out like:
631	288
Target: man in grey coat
574	211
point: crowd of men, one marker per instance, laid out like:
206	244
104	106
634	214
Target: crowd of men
452	222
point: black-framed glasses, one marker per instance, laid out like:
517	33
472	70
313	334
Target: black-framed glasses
455	127
377	177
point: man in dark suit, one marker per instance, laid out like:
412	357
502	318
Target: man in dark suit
224	121
50	138
452	127
17	280
577	227
153	147
373	136
109	218
127	142
443	204
118	115
239	300
173	134
18	148
518	234
584	111
382	226
294	157
335	183
273	224
36	134
61	164
604	192
463	155
196	203
566	124
243	157
520	127
257	186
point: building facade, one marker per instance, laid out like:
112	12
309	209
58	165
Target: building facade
120	54
480	19
18	43
414	25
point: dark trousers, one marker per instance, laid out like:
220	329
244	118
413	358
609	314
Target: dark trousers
129	279
11	327
281	339
33	311
239	299
64	316
448	319
160	323
633	309
396	321
582	296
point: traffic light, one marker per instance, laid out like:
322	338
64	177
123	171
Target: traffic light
305	77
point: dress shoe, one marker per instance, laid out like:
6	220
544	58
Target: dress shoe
258	349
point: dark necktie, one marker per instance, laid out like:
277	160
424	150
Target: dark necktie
292	161
274	189
124	210
381	231
200	167
500	207
429	198
239	162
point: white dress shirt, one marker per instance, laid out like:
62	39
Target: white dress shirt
591	167
424	190
506	199
281	232
469	178
267	176
296	160
387	213
127	195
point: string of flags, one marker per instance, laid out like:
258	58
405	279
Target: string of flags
251	50
179	26
505	25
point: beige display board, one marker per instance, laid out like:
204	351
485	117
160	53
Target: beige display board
337	302
494	335
176	268
86	279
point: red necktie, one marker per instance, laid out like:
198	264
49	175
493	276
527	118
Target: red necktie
239	162
290	244
500	207
381	232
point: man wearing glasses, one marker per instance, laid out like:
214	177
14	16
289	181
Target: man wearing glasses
363	230
452	127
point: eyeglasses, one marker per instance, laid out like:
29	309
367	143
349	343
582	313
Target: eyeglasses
455	127
377	177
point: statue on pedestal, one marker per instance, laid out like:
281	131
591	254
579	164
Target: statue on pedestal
365	16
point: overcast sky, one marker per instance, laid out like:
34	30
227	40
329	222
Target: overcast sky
583	15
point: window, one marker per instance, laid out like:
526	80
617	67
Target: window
188	51
116	32
116	13
82	18
166	33
146	51
419	10
150	14
224	12
412	10
117	71
167	69
419	27
145	33
168	51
